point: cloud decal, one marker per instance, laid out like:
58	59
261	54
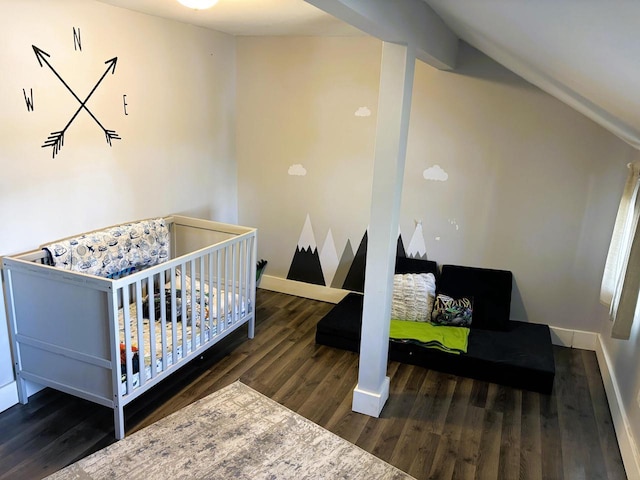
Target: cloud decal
297	170
363	112
435	173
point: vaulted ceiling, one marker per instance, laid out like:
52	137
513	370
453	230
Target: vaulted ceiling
584	52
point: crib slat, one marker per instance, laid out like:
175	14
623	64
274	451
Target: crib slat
163	319
229	286
234	284
183	298
219	292
242	287
194	310
252	294
210	281
174	316
140	322
152	324
203	293
237	298
231	296
127	339
227	281
247	275
247	287
237	301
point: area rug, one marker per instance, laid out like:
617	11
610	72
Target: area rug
234	433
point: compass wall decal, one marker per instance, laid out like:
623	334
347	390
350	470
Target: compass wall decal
55	140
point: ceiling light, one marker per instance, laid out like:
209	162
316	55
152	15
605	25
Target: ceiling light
198	4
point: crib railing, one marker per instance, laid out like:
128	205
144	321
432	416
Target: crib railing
182	305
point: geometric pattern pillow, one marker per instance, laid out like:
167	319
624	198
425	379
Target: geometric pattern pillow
452	312
413	296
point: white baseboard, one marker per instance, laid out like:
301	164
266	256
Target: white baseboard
8	396
626	441
563	337
302	289
573	338
559	336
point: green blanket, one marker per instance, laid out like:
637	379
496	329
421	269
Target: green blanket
448	339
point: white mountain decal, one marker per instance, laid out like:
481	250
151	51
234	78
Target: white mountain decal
307	238
329	260
417	247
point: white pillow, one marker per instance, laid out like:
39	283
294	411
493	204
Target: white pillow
413	296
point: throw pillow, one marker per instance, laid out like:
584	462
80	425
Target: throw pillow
413	296
452	312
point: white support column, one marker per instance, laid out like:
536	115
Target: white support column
394	105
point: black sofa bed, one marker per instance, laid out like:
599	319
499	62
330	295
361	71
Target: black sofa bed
500	350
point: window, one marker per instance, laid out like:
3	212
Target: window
621	279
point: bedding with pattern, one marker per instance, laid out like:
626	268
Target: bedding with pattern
193	316
116	251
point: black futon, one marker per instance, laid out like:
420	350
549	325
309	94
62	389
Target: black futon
500	350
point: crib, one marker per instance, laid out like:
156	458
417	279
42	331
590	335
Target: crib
110	338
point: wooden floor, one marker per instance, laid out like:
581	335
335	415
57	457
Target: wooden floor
433	426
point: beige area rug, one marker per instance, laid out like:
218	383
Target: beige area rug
234	433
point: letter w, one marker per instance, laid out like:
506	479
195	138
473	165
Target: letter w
28	100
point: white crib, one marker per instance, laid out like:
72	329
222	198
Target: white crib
110	340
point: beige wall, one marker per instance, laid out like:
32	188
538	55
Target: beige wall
297	99
177	152
179	83
532	185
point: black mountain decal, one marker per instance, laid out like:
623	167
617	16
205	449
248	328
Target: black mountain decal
355	278
401	252
343	267
305	267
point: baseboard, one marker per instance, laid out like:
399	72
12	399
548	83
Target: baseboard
559	336
565	337
8	396
302	289
626	441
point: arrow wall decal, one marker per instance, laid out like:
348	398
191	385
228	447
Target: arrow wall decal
56	139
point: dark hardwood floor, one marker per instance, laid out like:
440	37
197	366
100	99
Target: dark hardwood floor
434	425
